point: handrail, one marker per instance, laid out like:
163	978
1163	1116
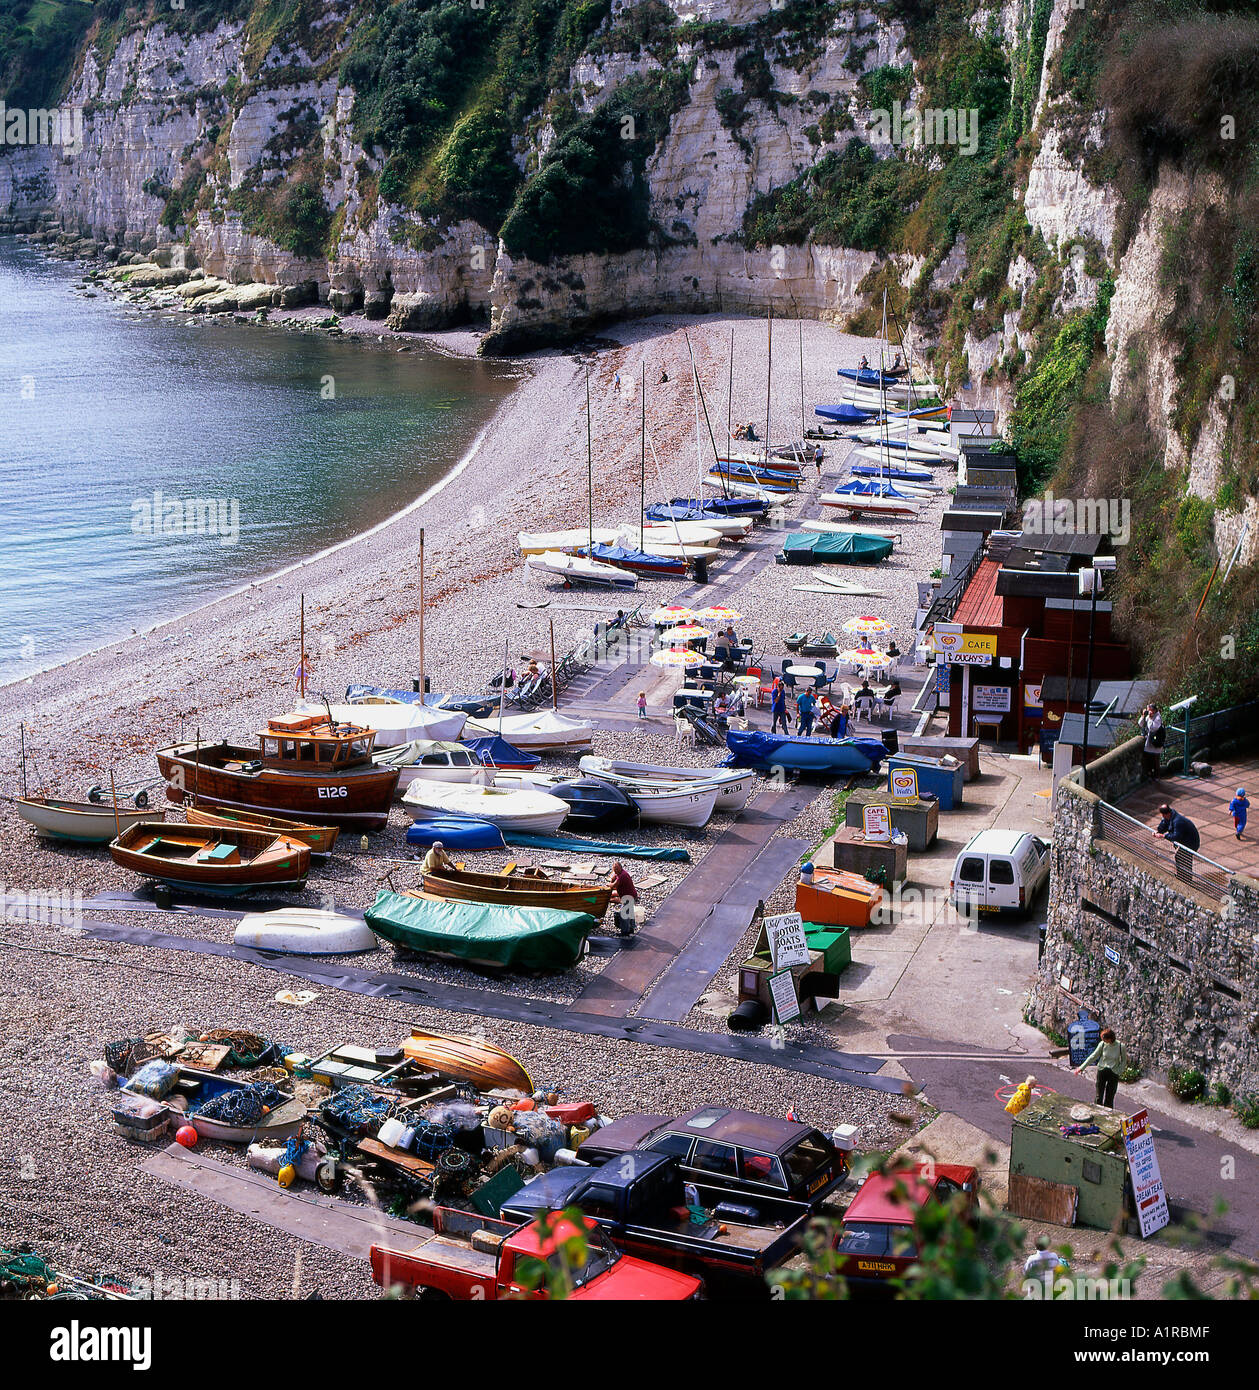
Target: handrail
1190	867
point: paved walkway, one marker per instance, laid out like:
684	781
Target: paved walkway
1205	801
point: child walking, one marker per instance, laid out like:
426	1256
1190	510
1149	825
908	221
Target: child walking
1237	808
642	704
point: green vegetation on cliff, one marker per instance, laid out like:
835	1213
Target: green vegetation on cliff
38	43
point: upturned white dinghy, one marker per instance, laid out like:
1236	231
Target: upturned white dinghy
580	569
532	812
433	760
306	931
394	723
86	822
892	458
734	785
917	444
542	732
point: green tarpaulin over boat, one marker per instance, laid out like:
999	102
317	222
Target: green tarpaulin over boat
520	938
835	548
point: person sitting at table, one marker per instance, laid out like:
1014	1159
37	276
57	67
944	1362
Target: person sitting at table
721	712
864	700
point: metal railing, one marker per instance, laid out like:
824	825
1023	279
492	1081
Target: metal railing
945	603
1189	867
1207	732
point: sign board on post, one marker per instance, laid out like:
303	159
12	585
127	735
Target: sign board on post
1032	699
903	782
994	699
876	821
788	944
782	992
1147	1182
964	648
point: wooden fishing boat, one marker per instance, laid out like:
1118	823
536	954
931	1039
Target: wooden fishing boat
83	822
520	888
211	859
467	1059
281	1122
320	838
304	768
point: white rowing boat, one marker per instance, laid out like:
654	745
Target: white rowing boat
532	812
86	822
541	732
734	785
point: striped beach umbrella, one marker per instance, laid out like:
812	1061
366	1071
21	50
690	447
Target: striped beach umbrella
719	615
688	632
676	656
867	627
671	613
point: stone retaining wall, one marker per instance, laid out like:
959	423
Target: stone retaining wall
1180	986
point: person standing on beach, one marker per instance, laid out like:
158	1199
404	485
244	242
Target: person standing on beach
1151	725
806	707
1237	808
778	707
1111	1061
642	704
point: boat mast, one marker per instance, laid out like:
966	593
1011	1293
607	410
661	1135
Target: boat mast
22	736
642	463
502	689
421	615
555	689
708	424
730	396
301	656
590	478
114	792
883	395
800	326
769	371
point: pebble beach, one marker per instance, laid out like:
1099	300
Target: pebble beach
72	1186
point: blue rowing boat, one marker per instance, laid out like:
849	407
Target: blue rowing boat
793	753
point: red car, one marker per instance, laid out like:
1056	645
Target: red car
877	1240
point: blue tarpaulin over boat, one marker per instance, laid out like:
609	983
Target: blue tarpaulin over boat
795	754
845	414
613	847
500	753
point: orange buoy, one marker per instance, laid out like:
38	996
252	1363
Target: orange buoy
186	1135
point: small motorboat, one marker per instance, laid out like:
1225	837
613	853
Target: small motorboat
211	859
279	1121
463	704
834	548
681	803
455	832
395	723
580	569
793	753
733	787
320	838
486	935
497	752
433	760
467	1059
508	809
594	805
542	732
519	888
83	822
305	931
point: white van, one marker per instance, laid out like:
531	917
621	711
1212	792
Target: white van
1000	871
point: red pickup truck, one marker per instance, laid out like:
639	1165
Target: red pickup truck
877	1240
470	1258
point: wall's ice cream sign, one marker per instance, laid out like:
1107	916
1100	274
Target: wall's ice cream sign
59	125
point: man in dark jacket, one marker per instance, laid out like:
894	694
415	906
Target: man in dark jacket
1180	831
778	708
